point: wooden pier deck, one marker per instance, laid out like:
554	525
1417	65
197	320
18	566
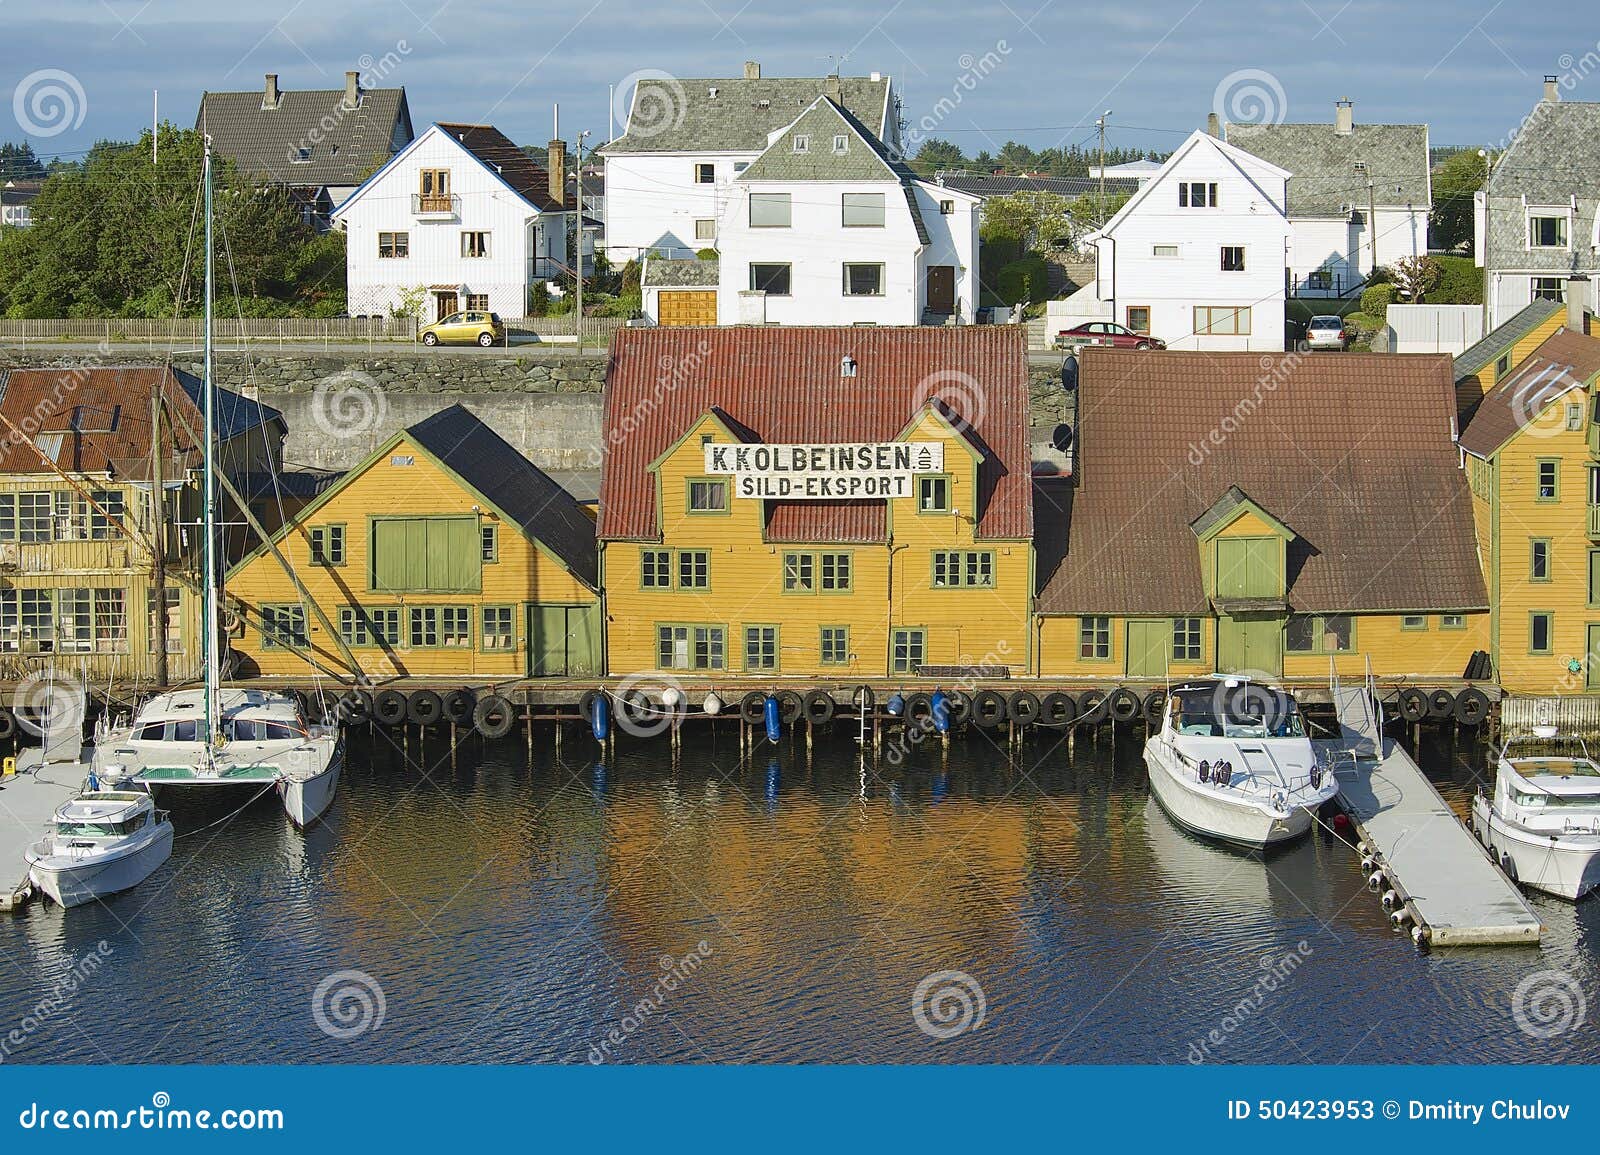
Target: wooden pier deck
1457	896
27	800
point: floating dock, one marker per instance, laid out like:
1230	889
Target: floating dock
28	798
1441	876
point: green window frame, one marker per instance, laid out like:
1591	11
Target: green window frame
834	647
690	646
694	569
908	649
836	572
1186	643
455	627
1502	366
1309	634
1547	479
327	544
35	518
1541	621
799	573
498	630
1452	621
933	493
1414	621
706	496
422	628
1539	567
1094	638
283	626
489	543
761	648
963	569
1594	577
353	629
655	569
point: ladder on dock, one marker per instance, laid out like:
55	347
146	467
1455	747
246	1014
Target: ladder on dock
1456	895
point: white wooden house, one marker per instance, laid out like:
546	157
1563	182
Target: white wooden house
463	218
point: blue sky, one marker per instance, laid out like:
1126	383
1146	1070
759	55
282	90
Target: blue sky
1029	70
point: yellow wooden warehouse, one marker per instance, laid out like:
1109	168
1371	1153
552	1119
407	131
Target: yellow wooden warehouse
445	553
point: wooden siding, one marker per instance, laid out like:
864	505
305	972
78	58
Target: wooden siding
1472	388
523	574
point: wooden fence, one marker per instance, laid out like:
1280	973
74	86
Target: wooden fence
188	330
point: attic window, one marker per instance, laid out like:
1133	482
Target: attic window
802	142
841	145
301	156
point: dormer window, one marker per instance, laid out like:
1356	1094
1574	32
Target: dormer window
301	156
802	142
1197	195
1547	228
841	145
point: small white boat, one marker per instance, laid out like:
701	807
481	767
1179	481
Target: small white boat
1542	824
1232	761
101	843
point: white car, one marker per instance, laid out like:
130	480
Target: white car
1326	332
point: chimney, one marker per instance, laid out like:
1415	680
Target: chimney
556	155
1552	88
1577	303
352	89
831	88
269	98
1213	125
1344	117
752	70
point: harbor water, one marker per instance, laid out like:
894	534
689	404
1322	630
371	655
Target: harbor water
970	904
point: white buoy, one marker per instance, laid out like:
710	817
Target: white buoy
1399	918
1375	880
1363	848
1389	899
671	696
712	705
1369	864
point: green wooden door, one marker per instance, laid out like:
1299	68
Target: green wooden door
583	640
421	554
563	641
1591	668
1250	645
1148	640
1249	567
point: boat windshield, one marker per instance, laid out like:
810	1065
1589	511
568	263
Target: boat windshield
257	730
1556	801
99	829
1238	712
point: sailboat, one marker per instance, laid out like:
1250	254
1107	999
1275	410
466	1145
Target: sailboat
212	737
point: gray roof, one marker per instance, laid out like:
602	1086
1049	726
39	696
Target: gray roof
1323	161
865	158
1554	158
986	185
1475	357
488	463
346	146
674	274
673	115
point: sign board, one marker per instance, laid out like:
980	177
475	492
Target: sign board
834	472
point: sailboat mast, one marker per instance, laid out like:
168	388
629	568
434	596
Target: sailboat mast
213	666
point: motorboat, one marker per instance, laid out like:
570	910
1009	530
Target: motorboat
1542	823
100	843
1231	760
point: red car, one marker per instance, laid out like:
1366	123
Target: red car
1106	333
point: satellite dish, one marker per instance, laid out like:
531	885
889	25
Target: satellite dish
1061	438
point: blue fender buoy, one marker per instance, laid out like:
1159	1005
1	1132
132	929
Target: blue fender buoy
896	705
774	721
600	719
941	712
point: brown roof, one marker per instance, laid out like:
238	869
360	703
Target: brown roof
100	417
1565	360
501	154
784	385
1352	453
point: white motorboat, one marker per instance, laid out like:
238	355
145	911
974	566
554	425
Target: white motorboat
1232	761
101	843
263	742
1542	824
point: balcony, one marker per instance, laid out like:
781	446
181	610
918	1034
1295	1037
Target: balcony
1594	521
437	207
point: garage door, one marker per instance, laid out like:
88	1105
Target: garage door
688	308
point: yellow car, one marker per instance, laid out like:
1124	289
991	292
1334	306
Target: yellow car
484	329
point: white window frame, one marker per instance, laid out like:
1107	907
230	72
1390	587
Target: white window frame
1562	213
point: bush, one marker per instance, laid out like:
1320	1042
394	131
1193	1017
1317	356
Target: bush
539	300
1361	326
706	255
630	278
1024	281
1460	282
1375	300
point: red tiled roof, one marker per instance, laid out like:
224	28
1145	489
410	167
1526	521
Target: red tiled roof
784	385
102	416
1565	360
1353	453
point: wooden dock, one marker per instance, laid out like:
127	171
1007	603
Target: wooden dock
27	800
1454	894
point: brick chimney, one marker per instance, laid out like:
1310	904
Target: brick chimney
556	167
1214	125
269	98
1577	303
831	89
352	89
1344	117
752	70
1552	88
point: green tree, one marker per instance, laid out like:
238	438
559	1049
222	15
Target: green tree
1455	179
936	154
18	162
1034	220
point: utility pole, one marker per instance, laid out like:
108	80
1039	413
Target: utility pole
1100	208
577	258
158	528
1372	222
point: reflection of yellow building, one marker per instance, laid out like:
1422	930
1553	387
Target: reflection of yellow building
1532	458
1264	516
704	579
446	552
